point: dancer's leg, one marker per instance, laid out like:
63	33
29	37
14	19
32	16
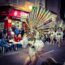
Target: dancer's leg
27	61
34	60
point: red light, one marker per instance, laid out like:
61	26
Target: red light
15	13
9	21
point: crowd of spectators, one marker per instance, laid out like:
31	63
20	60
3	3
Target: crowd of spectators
54	36
13	38
9	37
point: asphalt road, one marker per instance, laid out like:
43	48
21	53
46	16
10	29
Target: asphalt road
18	57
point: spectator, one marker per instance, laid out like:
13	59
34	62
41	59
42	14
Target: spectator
4	31
64	34
22	32
16	31
24	41
0	34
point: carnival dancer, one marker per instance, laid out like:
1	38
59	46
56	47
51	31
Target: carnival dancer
52	35
59	36
35	46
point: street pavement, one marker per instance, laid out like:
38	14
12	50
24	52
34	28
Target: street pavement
49	51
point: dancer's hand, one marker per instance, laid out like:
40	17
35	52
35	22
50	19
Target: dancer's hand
29	44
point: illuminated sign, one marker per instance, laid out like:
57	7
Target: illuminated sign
16	14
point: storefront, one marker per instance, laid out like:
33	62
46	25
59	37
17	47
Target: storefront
16	18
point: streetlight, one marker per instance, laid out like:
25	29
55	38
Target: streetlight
30	7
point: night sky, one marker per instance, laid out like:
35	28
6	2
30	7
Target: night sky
4	2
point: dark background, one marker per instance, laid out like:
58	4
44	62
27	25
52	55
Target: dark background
56	6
